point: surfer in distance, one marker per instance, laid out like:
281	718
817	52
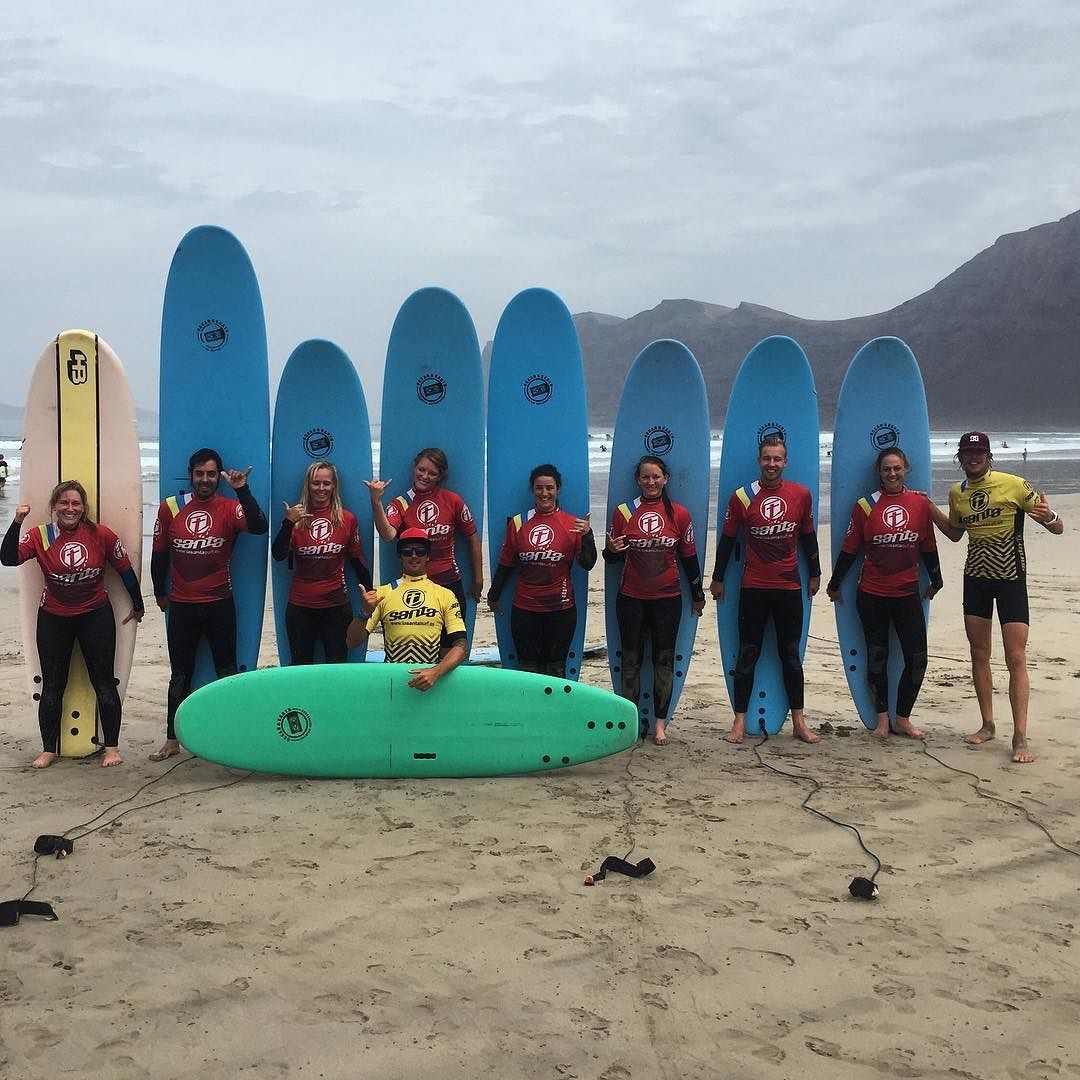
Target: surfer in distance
542	546
777	516
895	527
318	534
194	535
421	620
989	506
652	536
73	552
440	512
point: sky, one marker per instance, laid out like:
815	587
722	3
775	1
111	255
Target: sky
828	159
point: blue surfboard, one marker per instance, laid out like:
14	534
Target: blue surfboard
664	411
320	414
215	392
773	393
433	395
882	405
536	415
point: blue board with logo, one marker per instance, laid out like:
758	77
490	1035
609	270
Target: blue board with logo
320	414
882	406
433	396
773	393
664	412
536	416
215	392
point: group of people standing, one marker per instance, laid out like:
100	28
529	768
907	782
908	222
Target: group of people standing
652	537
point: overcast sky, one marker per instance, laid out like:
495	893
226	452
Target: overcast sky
828	159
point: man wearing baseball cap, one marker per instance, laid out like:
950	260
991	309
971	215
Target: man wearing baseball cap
990	507
421	620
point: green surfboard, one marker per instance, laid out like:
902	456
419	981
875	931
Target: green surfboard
364	720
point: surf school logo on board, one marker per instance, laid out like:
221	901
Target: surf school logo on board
885	437
293	724
658	440
538	389
212	334
771	431
78	367
431	389
318	443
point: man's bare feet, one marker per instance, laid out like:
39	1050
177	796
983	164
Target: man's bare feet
43	760
660	735
904	726
170	748
882	729
112	757
1021	754
737	732
803	733
984	734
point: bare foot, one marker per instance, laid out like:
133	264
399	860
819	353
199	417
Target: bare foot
170	748
1021	754
660	735
737	732
984	734
904	726
804	734
882	729
43	760
112	757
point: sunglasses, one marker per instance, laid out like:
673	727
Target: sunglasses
412	552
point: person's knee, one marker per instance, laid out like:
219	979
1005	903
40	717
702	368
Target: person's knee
791	659
180	684
748	658
1016	658
107	695
877	658
51	700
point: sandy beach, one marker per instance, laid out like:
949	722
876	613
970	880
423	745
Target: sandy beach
271	927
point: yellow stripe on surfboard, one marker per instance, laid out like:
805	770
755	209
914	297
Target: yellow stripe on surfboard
78	450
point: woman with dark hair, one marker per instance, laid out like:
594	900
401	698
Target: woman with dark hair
317	535
654	536
896	528
445	515
73	552
542	545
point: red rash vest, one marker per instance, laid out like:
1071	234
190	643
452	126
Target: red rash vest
773	519
651	570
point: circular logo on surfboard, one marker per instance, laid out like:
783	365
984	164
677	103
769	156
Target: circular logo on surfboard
293	724
771	430
318	443
431	389
658	440
212	334
538	389
885	437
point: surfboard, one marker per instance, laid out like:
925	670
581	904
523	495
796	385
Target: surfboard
80	425
773	393
536	416
433	395
215	392
664	411
882	405
320	414
363	720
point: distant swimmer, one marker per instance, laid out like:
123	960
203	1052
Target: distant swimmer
74	609
990	507
603	448
3	475
1024	454
1004	446
542	545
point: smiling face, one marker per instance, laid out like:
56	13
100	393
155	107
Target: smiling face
427	476
545	493
414	557
892	471
69	508
321	489
975	463
651	479
772	460
204	478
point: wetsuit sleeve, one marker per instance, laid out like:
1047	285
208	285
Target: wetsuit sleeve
692	570
283	541
363	573
933	567
587	555
159	572
502	576
131	583
256	521
808	542
458	637
844	562
9	550
725	546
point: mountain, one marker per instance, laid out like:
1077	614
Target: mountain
998	340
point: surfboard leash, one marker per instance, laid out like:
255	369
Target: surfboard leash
61	846
861	888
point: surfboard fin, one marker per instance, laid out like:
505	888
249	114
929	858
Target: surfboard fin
12	910
621	866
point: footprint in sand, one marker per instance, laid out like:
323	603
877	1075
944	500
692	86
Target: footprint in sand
823	1047
895	990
